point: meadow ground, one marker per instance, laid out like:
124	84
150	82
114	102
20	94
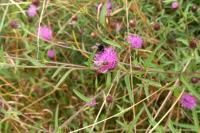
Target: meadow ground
99	66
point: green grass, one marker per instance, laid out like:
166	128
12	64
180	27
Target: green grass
49	95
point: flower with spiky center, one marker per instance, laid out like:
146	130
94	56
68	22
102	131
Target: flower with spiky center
45	33
50	53
32	10
105	60
175	5
188	101
134	41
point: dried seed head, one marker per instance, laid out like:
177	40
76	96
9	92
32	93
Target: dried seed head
109	99
14	24
36	2
132	23
74	17
156	26
194	8
93	34
194	80
193	44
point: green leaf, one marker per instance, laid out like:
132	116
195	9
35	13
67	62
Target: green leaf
102	18
81	96
64	77
196	119
150	82
108	80
135	120
113	43
171	127
56	123
57	71
151	120
128	86
184	41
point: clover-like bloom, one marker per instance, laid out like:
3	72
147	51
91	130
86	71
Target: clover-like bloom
108	7
134	41
116	26
105	60
32	10
188	101
50	53
91	103
45	33
175	5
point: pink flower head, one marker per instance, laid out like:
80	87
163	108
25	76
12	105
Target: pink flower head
50	53
91	103
116	25
174	5
108	7
105	60
188	101
32	10
45	33
135	41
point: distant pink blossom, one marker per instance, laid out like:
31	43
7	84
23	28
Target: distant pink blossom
175	5
91	103
116	25
32	10
135	41
45	33
105	60
108	7
50	53
14	24
188	101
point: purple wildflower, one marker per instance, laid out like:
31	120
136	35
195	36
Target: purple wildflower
105	60
50	53
188	101
108	7
91	103
45	33
175	5
32	10
135	41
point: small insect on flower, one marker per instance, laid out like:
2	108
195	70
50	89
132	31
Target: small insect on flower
32	10
45	33
105	59
188	101
100	48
